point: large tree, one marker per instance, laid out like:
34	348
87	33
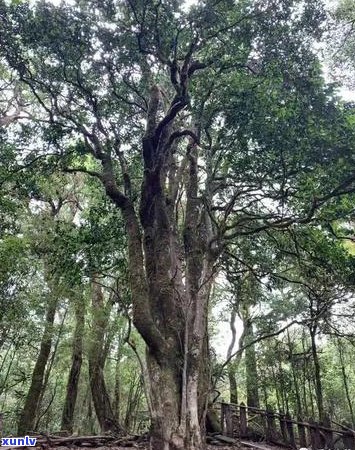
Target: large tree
204	125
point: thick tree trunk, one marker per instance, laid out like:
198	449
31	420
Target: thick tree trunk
171	255
165	395
168	431
30	409
100	396
178	302
74	374
179	391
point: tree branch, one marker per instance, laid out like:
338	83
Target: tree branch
83	170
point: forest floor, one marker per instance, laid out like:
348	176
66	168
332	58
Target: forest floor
145	446
107	442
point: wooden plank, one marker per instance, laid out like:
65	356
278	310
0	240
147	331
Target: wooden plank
319	434
229	420
283	428
316	440
328	435
270	433
349	440
290	431
256	445
302	436
243	421
223	417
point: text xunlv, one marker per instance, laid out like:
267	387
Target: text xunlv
18	442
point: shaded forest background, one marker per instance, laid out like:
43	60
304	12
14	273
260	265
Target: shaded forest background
280	144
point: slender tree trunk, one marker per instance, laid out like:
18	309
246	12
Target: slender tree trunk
345	381
252	379
304	393
117	389
49	370
30	409
234	365
297	389
128	415
100	396
90	416
8	370
135	393
264	390
287	402
281	385
233	389
294	377
74	374
317	373
304	375
276	387
310	391
86	421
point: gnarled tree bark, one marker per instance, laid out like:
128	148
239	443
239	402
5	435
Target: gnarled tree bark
171	266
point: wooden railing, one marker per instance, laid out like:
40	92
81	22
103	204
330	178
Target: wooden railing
281	429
